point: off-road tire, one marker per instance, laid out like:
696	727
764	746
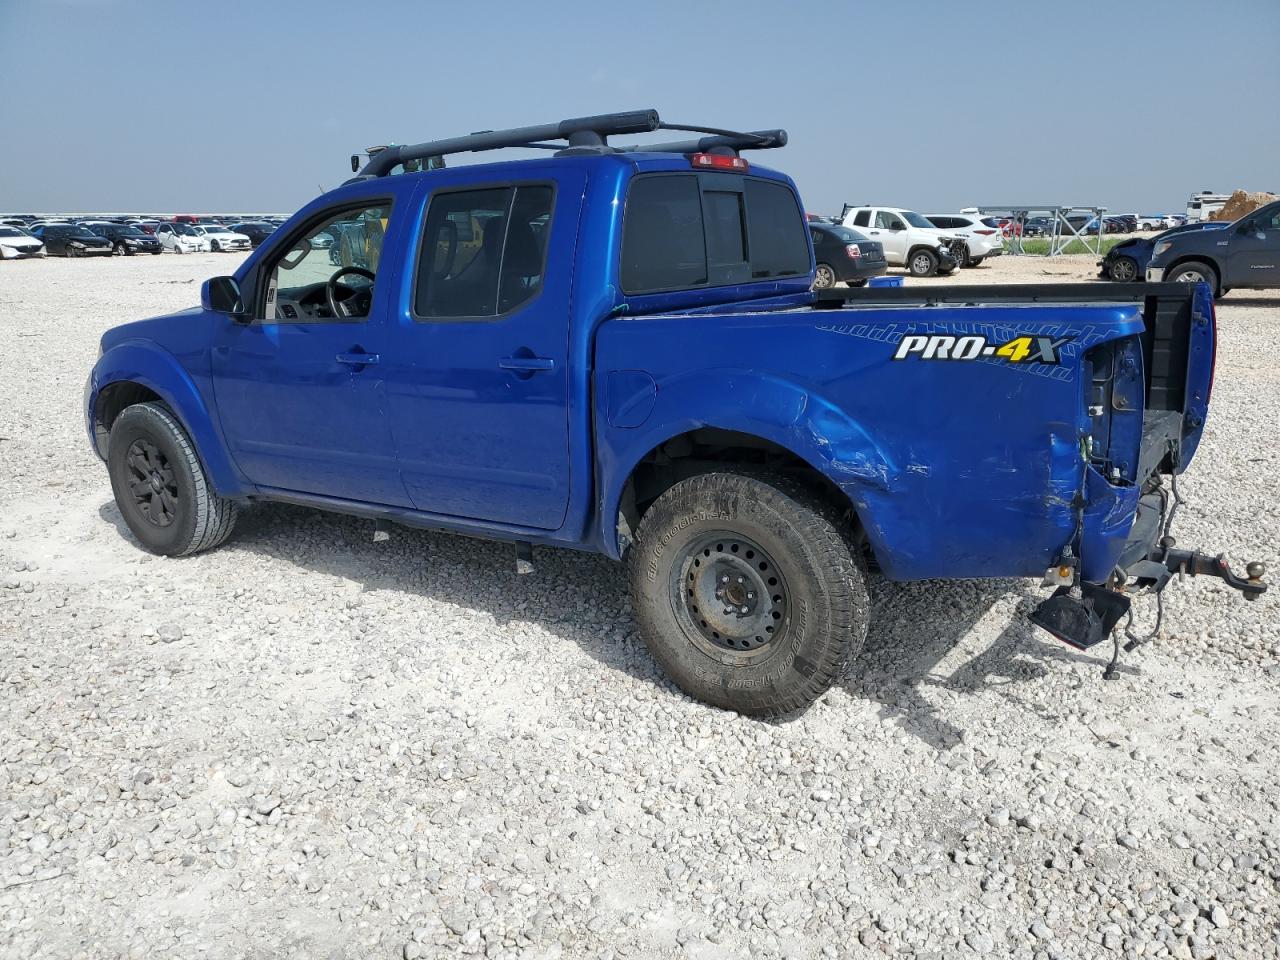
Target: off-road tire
922	262
822	592
200	518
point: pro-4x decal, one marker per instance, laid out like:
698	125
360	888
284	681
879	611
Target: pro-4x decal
1024	348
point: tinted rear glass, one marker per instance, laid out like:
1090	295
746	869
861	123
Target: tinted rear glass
662	243
776	230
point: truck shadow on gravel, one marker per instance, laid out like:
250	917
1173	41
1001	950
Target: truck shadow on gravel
918	640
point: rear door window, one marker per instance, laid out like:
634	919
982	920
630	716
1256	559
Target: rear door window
483	251
862	218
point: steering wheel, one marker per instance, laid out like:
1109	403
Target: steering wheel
339	308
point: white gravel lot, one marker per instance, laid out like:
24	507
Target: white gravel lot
306	744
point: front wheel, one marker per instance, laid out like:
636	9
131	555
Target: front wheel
924	263
975	261
160	486
214	248
1124	270
824	277
747	593
1195	271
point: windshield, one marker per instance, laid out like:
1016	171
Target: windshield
76	231
127	231
11	232
916	220
185	230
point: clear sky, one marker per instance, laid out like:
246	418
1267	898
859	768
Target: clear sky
254	105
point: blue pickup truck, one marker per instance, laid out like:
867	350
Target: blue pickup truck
617	349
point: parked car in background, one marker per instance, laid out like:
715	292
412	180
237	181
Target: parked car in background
1153	221
126	239
17	244
909	240
146	226
1245	253
981	241
220	239
181	238
72	240
843	255
1128	259
255	230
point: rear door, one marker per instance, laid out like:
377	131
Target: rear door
476	374
1254	251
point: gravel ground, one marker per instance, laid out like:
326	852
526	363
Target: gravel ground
307	744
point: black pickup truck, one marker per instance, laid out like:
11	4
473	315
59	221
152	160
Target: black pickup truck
1244	254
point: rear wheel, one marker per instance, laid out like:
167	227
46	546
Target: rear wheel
1124	269
824	277
160	486
923	263
975	261
747	593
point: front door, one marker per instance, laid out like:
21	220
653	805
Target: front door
477	380
298	389
891	231
1255	251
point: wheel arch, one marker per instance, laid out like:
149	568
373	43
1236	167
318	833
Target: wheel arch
135	372
787	429
1208	261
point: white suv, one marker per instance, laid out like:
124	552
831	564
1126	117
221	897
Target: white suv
909	240
981	239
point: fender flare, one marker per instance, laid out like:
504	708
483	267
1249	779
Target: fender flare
779	411
143	363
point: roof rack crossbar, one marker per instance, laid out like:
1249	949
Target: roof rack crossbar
579	132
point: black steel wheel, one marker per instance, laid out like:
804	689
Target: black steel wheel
729	594
747	591
160	486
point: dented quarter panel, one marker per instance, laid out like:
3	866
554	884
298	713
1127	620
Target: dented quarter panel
956	468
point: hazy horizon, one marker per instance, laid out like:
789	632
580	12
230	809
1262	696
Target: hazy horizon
256	108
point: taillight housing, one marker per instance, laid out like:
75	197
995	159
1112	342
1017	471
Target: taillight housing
718	161
853	250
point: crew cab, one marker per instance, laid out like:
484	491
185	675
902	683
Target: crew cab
909	240
617	349
1245	253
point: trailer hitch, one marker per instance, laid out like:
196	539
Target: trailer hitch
1160	566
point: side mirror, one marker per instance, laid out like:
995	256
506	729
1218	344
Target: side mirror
222	295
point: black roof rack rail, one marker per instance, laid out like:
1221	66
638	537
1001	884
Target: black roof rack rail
718	141
579	135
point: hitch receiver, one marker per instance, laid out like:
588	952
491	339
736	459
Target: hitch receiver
1083	621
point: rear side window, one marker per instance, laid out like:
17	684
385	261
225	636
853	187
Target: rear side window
862	218
483	251
688	230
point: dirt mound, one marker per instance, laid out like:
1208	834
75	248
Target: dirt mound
1242	202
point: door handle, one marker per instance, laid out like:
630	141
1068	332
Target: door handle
357	359
527	364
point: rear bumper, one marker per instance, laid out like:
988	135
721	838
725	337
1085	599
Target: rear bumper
861	269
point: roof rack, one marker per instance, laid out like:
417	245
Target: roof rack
582	135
